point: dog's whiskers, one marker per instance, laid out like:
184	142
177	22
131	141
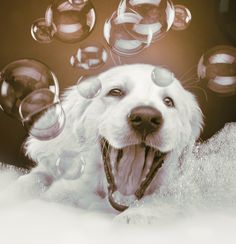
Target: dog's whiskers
199	88
191	69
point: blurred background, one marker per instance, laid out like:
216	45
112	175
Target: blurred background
180	51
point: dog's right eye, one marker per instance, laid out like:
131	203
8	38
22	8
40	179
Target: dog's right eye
168	102
115	93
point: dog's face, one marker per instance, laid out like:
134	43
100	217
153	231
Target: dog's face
138	118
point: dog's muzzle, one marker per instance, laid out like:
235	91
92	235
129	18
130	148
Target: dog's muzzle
117	200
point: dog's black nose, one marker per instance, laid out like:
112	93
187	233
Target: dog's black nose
145	120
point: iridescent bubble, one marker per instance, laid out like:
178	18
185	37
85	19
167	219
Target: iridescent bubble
70	165
41	32
118	34
162	77
89	56
42	114
28	90
155	18
217	69
89	87
182	19
72	21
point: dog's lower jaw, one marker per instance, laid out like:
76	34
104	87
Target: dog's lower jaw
119	198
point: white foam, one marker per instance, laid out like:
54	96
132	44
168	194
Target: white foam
206	193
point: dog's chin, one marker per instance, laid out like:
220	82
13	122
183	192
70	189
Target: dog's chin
130	169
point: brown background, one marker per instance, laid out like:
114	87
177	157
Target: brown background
180	51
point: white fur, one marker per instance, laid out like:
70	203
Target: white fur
106	116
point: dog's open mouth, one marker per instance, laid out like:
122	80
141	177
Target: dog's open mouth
129	172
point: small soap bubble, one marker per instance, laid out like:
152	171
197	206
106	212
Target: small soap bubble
182	19
70	165
89	56
119	38
42	115
89	87
41	32
155	18
217	70
72	21
162	77
28	90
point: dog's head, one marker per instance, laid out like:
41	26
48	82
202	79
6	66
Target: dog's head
136	119
134	123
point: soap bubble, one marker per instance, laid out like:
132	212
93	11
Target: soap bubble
117	32
41	32
182	19
68	21
155	18
162	77
137	23
217	67
89	56
89	87
70	165
42	114
28	89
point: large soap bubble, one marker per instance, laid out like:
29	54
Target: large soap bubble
28	90
217	68
155	18
89	56
69	21
118	33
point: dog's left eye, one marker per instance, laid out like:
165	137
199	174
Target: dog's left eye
168	102
115	93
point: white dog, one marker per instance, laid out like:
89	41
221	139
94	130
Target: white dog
133	136
137	138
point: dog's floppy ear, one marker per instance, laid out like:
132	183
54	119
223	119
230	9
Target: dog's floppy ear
89	87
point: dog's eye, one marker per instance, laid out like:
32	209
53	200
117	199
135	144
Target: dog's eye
168	102
116	92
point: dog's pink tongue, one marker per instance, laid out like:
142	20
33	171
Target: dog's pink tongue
129	168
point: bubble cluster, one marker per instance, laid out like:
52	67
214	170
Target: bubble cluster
89	56
68	21
89	87
182	18
138	23
28	90
217	70
70	166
